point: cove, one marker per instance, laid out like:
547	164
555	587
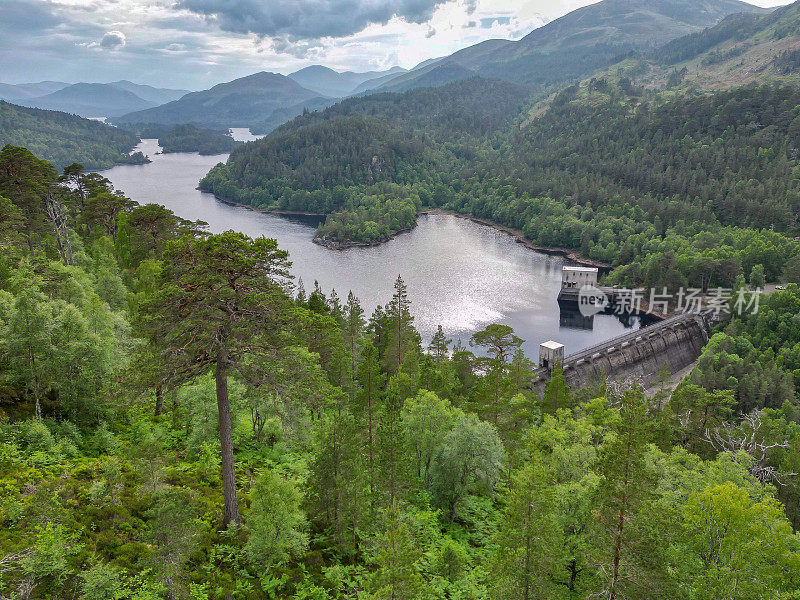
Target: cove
460	274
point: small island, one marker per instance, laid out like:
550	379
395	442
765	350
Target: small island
191	138
370	217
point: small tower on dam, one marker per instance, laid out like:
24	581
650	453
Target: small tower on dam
579	286
550	354
578	277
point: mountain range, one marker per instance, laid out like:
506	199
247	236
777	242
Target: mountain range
565	50
334	84
577	43
88	99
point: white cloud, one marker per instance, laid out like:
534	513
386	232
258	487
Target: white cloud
112	40
61	39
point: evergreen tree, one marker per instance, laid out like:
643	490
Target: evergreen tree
439	345
627	487
216	294
401	334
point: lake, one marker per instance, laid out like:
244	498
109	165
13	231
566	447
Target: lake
459	274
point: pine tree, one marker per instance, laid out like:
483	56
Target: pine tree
556	392
439	345
627	486
353	331
401	327
216	295
371	381
397	556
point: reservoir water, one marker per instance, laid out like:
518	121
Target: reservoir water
459	274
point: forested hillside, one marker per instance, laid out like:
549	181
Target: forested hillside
179	419
699	189
320	161
190	138
582	41
63	139
695	188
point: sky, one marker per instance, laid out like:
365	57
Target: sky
193	44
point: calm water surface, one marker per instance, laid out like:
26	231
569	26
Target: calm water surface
242	134
459	274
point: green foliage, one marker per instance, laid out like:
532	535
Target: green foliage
468	461
375	216
63	139
366	466
53	547
275	521
191	138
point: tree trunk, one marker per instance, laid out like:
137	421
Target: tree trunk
226	442
159	400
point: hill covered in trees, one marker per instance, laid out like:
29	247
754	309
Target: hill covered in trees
180	419
190	138
63	139
700	189
325	161
243	102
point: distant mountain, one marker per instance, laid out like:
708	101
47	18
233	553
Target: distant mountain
435	74
63	139
590	38
90	100
10	92
150	93
238	103
377	82
371	84
334	84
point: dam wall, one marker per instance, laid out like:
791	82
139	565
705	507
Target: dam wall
639	356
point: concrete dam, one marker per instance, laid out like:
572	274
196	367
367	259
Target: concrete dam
640	356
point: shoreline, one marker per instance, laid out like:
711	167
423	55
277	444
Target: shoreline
519	238
334	245
517	234
280	213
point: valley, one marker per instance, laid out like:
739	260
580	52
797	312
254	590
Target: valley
359	300
497	279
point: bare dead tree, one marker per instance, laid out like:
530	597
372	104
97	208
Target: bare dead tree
58	219
746	438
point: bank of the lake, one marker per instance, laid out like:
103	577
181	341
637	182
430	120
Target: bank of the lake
460	274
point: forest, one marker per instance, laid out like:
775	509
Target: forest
191	138
63	139
700	189
371	215
180	418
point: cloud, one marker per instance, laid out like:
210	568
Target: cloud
112	40
21	17
309	19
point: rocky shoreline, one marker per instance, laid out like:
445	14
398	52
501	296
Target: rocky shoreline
517	234
337	245
519	237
